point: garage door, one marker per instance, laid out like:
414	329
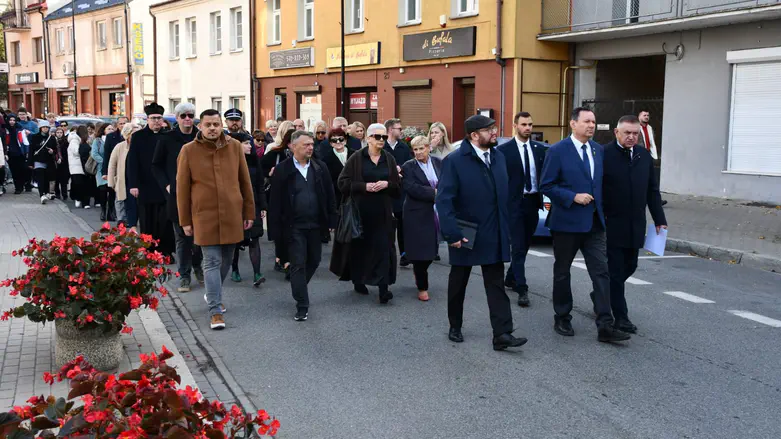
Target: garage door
414	107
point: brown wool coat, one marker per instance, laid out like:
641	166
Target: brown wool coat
214	190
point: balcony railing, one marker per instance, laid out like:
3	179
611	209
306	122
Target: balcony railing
580	15
14	19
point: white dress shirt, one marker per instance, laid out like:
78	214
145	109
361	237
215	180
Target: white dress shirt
578	144
303	169
532	165
481	154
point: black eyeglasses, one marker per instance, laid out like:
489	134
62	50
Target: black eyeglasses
187	116
382	137
337	140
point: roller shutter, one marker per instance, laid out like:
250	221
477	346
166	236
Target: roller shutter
414	107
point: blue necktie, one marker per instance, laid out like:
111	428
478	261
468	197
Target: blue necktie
527	170
586	161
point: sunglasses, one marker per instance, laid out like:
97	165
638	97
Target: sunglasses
320	132
337	140
187	116
382	137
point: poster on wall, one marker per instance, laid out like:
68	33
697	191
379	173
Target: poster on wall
374	100
277	106
357	101
310	110
138	44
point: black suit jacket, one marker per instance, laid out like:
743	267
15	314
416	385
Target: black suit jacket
515	172
628	186
164	164
402	153
334	166
280	213
139	173
112	140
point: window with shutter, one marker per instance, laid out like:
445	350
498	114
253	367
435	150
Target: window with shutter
413	106
756	102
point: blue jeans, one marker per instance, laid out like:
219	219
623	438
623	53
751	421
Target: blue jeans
216	264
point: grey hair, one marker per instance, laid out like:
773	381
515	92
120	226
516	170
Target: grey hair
184	107
319	123
127	130
299	134
374	127
339	119
270	122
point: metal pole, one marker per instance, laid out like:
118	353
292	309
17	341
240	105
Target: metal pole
75	76
344	101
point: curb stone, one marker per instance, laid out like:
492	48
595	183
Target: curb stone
753	260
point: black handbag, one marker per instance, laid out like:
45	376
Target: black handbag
349	227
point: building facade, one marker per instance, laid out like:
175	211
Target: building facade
26	56
203	54
424	62
142	50
709	72
95	51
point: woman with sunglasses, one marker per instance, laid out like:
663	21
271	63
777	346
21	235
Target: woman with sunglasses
337	155
370	177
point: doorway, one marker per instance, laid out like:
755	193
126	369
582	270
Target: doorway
363	106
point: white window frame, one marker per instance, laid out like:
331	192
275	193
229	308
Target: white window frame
71	39
191	100
416	19
472	8
309	14
237	102
747	59
275	36
101	36
173	40
173	102
217	104
16	53
60	37
38	49
237	29
191	35
215	33
118	32
355	13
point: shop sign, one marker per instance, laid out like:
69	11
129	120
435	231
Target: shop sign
4	67
27	78
277	106
292	59
138	44
440	44
357	101
374	100
355	55
56	83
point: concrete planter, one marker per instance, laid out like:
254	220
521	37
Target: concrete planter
103	350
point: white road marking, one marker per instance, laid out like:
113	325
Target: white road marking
580	265
757	318
631	280
688	297
539	254
666	257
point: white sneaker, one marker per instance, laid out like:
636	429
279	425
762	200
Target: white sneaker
97	205
78	205
50	196
44	199
87	206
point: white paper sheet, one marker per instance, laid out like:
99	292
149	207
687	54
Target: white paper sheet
655	243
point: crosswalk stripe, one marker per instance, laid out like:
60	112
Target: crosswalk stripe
539	254
688	297
636	281
757	318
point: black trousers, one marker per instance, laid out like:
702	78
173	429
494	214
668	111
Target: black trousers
622	263
19	171
498	302
399	231
82	188
61	185
522	234
305	251
420	270
41	176
153	220
593	245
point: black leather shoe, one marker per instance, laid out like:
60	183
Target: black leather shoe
593	302
624	325
403	261
509	283
523	299
610	335
564	327
664	202
361	289
505	341
455	335
385	298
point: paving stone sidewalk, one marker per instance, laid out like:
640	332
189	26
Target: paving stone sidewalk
732	231
27	348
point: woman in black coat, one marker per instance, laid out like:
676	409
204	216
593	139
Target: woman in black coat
370	177
43	148
421	227
336	155
252	236
63	173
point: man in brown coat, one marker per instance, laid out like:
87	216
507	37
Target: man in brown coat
215	201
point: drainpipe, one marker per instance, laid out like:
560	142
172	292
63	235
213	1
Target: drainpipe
564	93
252	80
154	51
501	62
129	103
47	65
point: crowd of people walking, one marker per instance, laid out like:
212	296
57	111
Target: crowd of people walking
204	191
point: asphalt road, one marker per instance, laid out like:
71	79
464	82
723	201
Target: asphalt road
358	369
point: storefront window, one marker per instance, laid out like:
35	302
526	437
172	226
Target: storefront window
116	102
66	104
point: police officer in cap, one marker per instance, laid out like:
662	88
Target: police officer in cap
234	120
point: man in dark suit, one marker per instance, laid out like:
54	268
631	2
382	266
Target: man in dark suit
572	179
524	166
402	153
629	185
302	208
473	188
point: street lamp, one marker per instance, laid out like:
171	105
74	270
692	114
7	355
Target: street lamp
344	101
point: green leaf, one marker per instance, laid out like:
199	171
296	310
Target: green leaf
9	418
51	413
42	423
19	312
21	434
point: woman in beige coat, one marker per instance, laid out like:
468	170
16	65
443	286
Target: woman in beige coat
116	171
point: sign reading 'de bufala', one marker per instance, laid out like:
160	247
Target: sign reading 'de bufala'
440	44
292	59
